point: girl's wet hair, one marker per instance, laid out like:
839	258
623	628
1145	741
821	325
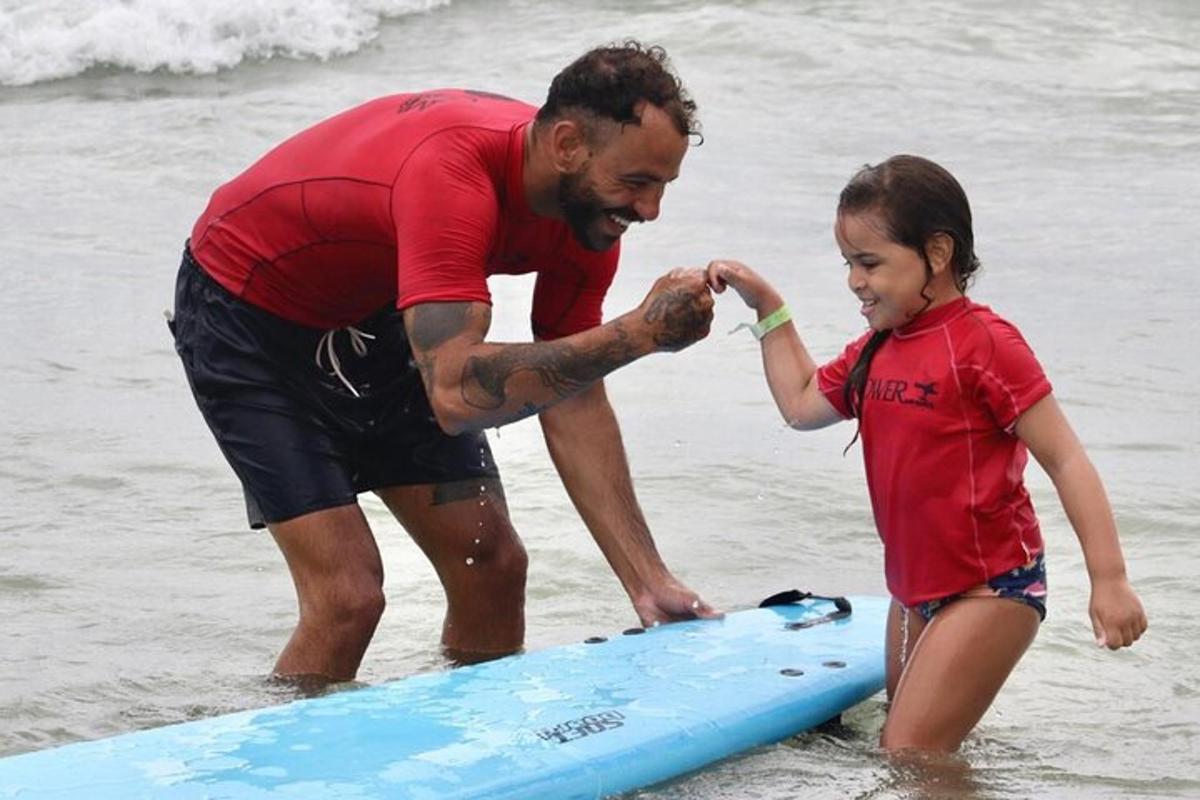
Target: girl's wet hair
915	199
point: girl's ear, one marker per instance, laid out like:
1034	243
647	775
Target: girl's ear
939	249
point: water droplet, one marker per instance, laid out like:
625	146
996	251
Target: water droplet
470	561
476	541
482	489
758	496
677	443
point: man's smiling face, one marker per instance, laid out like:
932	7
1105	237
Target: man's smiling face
623	179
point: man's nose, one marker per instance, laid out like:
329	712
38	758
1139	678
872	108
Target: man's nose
649	204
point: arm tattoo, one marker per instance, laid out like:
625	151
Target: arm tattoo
436	323
563	368
678	316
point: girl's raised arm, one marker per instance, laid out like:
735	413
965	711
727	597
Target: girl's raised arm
790	370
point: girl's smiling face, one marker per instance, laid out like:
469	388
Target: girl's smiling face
892	281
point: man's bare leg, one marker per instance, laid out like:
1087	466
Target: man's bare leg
338	575
464	530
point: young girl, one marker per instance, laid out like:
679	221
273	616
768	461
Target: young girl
948	397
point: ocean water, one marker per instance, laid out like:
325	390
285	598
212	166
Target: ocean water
130	594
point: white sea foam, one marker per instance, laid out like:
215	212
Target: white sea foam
44	40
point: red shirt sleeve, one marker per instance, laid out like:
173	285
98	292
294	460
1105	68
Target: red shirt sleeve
570	300
445	209
1010	377
832	377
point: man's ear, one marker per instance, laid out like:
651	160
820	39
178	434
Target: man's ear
568	146
939	249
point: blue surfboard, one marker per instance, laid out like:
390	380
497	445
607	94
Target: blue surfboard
586	720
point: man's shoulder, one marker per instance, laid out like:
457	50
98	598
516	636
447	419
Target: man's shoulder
448	108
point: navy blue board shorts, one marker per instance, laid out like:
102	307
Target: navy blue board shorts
295	432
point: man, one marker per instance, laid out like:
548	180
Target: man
332	313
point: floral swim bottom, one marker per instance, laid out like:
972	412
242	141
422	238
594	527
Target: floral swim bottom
1025	584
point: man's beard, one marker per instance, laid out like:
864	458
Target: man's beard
582	210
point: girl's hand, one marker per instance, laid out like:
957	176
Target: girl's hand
1117	615
752	287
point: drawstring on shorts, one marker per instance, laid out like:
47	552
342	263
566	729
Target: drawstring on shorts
325	345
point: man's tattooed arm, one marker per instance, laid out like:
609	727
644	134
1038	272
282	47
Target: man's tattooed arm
433	324
560	366
676	315
473	384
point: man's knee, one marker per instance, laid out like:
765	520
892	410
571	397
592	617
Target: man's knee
366	604
354	605
501	560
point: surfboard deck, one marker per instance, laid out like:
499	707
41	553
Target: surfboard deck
586	720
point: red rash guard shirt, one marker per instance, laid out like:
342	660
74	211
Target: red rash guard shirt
407	199
944	466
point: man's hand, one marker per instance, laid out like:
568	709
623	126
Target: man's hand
678	311
671	601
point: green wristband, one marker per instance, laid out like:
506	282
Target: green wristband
771	322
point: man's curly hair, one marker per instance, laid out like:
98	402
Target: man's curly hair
609	82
